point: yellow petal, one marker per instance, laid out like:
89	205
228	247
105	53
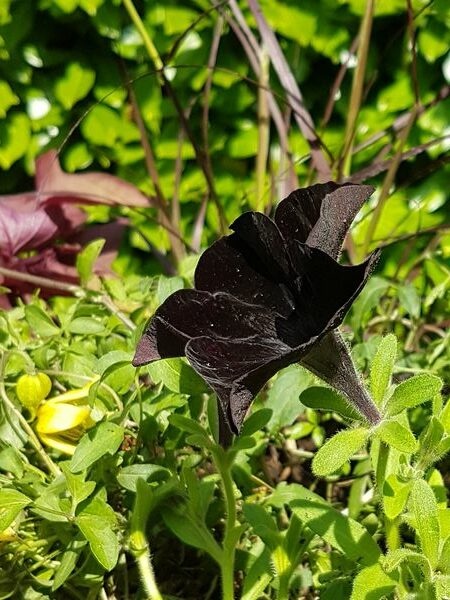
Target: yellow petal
54	441
73	395
32	389
53	418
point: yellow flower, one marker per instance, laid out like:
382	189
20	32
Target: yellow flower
32	389
62	420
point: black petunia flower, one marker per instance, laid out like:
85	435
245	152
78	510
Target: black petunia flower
268	295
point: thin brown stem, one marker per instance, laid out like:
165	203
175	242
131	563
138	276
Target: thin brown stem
295	98
356	95
387	184
263	132
212	60
337	83
150	162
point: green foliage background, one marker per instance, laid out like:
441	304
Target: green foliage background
67	69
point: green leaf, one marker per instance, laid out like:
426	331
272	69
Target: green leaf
367	300
338	450
412	392
78	488
256	421
324	398
86	326
444	560
297	22
283	396
11	504
258	577
103	439
187	424
395	558
395	496
424	508
101	126
15	135
7	98
40	322
177	376
86	259
167	286
382	366
444	417
102	539
191	530
396	435
433	40
430	440
74	84
341	532
442	586
66	566
372	583
128	476
116	369
409	299
263	524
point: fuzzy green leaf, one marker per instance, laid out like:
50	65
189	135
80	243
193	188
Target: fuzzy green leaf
395	496
338	450
412	392
382	365
324	398
396	435
424	508
394	559
372	583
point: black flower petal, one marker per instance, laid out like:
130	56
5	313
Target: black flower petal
266	296
229	265
321	215
188	314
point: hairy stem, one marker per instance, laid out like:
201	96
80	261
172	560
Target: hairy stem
138	542
223	465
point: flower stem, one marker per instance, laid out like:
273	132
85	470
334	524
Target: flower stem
330	360
141	553
138	542
223	465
